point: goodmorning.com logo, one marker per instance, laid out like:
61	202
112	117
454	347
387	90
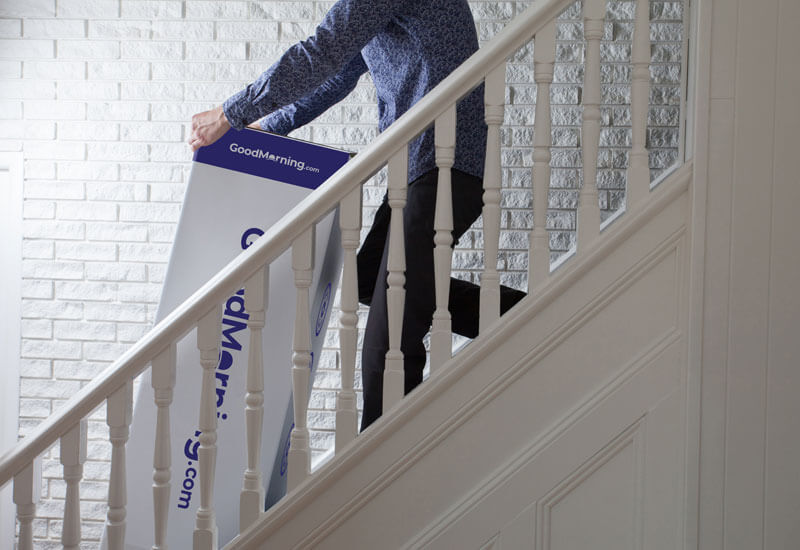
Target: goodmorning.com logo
266	155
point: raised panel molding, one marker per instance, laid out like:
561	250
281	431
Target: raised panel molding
624	453
551	364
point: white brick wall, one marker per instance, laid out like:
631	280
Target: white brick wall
97	95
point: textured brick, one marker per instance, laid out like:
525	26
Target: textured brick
10	28
36	408
215	50
88	131
106	191
43	269
151	212
35	368
82	330
167	192
186	71
116	151
54	28
119	29
115	232
161	233
88	49
38	250
10	69
139	292
69	250
114	312
117	111
77	370
173	111
147	172
213	92
37	289
158	91
17	129
45	349
26	49
55	70
29	8
55	110
115	272
10	109
156	273
118	70
36	328
251	30
152	50
151	252
202	9
88	171
129	332
88	90
39	169
55	150
169	152
45	229
151	9
88	9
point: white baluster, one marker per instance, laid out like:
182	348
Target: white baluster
73	455
393	376
494	98
27	487
346	411
208	338
544	53
163	382
299	447
588	209
638	167
441	332
119	411
251	499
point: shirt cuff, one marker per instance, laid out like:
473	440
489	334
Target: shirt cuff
240	111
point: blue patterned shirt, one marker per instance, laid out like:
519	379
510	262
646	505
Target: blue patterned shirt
408	46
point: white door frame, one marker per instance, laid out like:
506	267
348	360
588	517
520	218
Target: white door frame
10	313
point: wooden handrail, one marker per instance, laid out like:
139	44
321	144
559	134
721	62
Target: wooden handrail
280	236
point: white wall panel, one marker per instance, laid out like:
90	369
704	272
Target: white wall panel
10	301
782	457
749	485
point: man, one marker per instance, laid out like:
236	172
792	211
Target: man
408	46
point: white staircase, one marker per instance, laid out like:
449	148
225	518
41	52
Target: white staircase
561	426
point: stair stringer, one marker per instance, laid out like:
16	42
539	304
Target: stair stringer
547	411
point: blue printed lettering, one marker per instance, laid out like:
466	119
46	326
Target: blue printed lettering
184	499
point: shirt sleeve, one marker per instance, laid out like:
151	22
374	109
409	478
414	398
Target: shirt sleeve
303	111
343	32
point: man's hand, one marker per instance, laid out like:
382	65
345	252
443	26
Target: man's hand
208	127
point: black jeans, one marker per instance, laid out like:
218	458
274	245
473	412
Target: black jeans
420	302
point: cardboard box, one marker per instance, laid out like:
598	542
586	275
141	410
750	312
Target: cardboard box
238	187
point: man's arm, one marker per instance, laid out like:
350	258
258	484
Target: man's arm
209	126
342	34
303	111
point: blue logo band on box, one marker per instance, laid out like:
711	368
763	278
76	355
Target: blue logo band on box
286	160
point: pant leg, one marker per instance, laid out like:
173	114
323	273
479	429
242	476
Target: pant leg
420	302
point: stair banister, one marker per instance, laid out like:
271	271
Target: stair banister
539	243
441	331
279	237
588	207
638	166
346	407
